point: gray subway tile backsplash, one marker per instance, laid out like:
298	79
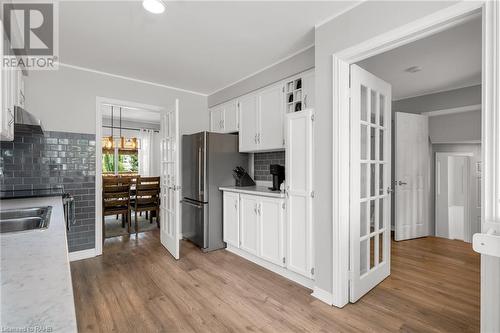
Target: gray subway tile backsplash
35	161
262	162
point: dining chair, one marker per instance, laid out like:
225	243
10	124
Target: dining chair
115	201
147	199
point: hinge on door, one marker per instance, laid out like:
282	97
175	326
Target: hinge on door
312	117
312	271
283	205
283	89
283	142
284	260
312	194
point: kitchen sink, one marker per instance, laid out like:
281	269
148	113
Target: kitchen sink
24	219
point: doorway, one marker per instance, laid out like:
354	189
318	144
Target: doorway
165	162
453	196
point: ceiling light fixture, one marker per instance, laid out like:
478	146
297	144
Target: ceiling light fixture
413	69
154	6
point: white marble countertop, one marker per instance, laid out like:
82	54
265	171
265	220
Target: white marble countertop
36	291
255	190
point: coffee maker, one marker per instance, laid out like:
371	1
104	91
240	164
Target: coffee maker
278	172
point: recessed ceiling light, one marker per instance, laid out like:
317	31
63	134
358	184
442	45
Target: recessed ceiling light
154	6
413	69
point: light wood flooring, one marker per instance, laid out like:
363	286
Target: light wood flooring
137	287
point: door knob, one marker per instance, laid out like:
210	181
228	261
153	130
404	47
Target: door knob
402	183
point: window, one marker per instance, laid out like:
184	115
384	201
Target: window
120	160
128	161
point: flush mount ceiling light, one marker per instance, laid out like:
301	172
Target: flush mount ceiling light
154	6
413	69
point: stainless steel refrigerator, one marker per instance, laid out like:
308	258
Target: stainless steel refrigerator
207	163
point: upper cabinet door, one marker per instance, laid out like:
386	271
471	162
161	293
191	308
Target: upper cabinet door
248	123
308	90
230	120
216	119
271	102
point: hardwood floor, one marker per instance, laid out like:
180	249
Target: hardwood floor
137	287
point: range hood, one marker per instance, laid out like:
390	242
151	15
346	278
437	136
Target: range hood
23	120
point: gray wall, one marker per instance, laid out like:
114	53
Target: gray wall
365	21
296	64
65	99
458	127
439	101
35	161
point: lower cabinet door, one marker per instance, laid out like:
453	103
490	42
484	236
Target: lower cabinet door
249	224
231	218
271	213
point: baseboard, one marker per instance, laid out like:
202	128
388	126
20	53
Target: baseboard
80	255
302	280
322	295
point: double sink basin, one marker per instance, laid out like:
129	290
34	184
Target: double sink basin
24	219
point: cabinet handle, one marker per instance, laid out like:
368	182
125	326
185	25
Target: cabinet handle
305	101
258	138
255	138
236	204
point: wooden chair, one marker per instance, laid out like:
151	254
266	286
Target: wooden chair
147	198
115	201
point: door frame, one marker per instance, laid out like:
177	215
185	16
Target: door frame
341	61
98	157
468	206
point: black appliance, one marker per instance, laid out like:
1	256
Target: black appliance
278	172
242	177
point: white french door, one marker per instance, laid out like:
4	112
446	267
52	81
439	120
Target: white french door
370	182
170	180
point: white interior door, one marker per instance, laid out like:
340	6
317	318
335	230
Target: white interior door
412	189
370	204
170	180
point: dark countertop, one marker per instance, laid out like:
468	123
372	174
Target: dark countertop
34	193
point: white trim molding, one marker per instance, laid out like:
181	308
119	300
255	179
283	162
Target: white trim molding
90	70
83	254
322	295
461	109
441	20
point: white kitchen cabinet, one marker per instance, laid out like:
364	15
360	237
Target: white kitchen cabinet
271	213
224	118
299	180
248	107
231	218
216	118
271	116
231	117
299	92
249	224
262	114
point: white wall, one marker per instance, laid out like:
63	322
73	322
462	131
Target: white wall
65	99
365	21
456	128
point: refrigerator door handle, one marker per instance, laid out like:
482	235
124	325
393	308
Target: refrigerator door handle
192	204
199	170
